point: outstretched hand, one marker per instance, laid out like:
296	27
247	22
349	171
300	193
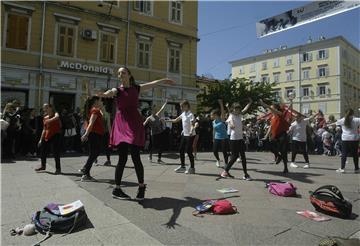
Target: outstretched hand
168	81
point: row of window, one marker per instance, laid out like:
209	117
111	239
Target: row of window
321	90
67	34
322	71
305	57
146	7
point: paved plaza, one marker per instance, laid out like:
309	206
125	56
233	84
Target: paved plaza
165	216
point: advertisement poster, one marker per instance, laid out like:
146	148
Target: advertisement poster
296	17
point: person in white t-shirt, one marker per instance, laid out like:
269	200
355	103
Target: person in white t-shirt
187	137
350	139
237	144
298	131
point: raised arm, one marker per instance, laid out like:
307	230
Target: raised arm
222	110
150	85
107	94
146	121
162	108
246	108
56	117
174	120
274	111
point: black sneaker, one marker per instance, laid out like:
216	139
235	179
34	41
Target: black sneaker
57	172
278	160
119	194
141	193
82	170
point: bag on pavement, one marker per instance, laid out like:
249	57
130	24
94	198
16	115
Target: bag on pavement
282	189
215	207
329	200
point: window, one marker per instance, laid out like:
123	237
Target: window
289	76
322	106
276	77
264	78
264	65
276	62
307	57
174	60
306	108
305	92
322	90
306	73
289	60
241	69
252	67
17	31
175	12
288	91
276	94
322	54
144	51
66	40
143	7
107	47
323	71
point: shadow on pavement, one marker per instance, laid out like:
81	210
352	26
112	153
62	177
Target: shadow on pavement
301	177
171	156
112	182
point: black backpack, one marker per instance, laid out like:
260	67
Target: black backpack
329	200
49	219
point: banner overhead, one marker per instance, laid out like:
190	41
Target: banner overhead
296	17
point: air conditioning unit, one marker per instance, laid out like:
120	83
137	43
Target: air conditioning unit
89	34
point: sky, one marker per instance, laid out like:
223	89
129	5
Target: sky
227	32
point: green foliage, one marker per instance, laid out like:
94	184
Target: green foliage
236	90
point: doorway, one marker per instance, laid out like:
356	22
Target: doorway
62	101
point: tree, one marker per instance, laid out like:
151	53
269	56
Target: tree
236	90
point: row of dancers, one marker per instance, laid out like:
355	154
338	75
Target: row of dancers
128	133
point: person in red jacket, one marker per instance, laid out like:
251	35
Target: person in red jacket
279	127
50	138
93	134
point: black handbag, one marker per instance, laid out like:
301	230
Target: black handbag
329	200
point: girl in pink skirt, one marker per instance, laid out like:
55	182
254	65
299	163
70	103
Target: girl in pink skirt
127	131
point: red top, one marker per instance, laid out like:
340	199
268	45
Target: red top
98	126
278	125
51	128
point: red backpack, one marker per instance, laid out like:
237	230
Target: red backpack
224	207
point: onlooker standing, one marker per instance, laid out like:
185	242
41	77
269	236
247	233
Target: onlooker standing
350	139
50	138
13	119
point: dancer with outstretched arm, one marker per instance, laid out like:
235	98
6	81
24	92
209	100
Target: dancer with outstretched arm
127	131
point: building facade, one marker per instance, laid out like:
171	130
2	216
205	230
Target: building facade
325	74
58	52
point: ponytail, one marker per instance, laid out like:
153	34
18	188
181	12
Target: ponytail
88	105
348	117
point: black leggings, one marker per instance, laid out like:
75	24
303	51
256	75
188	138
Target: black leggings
157	144
221	143
94	150
299	147
282	147
186	145
107	149
237	147
123	149
350	147
54	143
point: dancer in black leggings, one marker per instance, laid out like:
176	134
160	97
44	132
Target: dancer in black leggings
350	139
128	131
50	138
93	134
187	137
237	144
279	128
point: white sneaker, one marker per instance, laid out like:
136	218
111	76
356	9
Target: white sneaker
238	160
191	170
217	163
293	165
247	178
307	166
340	170
180	169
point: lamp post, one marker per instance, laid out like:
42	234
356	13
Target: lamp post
300	94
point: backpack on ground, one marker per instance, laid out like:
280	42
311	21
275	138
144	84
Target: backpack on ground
215	207
282	189
50	219
329	200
